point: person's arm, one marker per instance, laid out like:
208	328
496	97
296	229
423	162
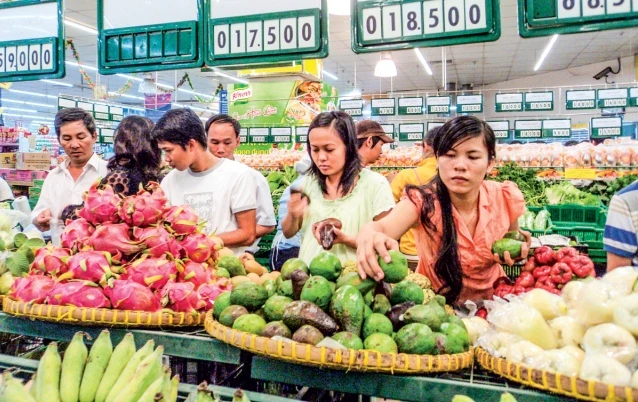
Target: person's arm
616	261
262	231
294	219
266	220
41	214
244	235
620	239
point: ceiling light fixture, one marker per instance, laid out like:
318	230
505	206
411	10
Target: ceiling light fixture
186	91
80	26
26	103
60	83
86	67
545	52
32	93
385	67
329	74
230	77
419	55
338	7
16	109
21	115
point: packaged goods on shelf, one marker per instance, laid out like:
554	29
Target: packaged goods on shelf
8	160
276	158
401	157
33	160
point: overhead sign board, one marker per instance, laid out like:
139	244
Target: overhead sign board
557	128
411	132
243	32
528	129
31	40
438	104
539	101
549	17
501	129
509	102
383	107
469	104
617	97
602	127
580	99
410	106
402	24
301	134
259	135
352	107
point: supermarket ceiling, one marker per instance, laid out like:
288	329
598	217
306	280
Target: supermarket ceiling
508	58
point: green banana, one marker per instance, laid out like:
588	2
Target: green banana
149	370
166	383
154	389
73	368
12	390
174	384
203	393
99	357
48	375
122	355
240	396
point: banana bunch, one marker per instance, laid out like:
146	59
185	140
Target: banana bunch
104	374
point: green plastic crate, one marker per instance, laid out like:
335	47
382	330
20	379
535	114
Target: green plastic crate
591	236
598	256
576	215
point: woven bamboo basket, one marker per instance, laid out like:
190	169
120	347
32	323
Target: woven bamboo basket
340	359
574	387
101	316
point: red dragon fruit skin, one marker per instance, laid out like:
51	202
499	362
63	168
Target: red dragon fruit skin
93	266
76	233
115	239
32	288
145	208
126	294
198	247
210	291
158	241
182	297
195	272
151	272
78	294
182	220
100	205
50	260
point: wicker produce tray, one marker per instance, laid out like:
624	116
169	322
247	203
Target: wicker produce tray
574	387
340	359
101	316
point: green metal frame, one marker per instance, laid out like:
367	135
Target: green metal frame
321	49
530	28
132	65
518	137
59	46
490	33
567	107
526	103
546	131
374	111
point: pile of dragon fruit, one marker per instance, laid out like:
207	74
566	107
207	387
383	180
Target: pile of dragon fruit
131	253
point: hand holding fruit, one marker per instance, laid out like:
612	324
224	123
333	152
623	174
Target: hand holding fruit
514	246
371	243
297	205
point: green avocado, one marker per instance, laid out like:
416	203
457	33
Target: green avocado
222	301
318	291
274	307
353	278
406	291
348	340
231	264
397	269
250	295
285	288
327	265
381	343
415	338
290	266
348	308
430	314
513	246
251	323
222	273
381	304
457	335
376	323
228	316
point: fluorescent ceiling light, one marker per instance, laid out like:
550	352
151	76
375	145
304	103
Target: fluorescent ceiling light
339	7
355	93
60	83
21	115
26	103
545	52
85	66
230	77
32	93
419	55
81	27
329	74
130	77
16	109
196	93
385	67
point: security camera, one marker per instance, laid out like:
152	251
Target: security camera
604	73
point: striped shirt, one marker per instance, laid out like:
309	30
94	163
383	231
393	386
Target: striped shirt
621	236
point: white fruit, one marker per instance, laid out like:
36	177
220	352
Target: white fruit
496	343
599	367
525	321
563	362
476	326
576	352
610	340
570	292
595	303
525	352
548	304
567	330
626	312
622	279
634	379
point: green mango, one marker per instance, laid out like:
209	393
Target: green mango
348	308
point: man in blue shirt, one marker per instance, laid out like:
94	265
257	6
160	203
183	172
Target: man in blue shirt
621	238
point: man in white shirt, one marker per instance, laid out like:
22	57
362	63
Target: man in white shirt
67	183
223	139
221	191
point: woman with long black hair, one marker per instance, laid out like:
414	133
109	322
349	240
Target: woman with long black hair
457	216
337	187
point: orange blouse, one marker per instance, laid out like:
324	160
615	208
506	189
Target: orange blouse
500	204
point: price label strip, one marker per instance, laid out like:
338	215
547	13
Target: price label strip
528	129
557	128
580	99
501	129
31	54
539	101
438	104
383	107
411	132
469	104
259	135
602	127
404	24
613	98
352	107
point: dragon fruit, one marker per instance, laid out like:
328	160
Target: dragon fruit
32	288
182	220
50	260
93	266
145	208
100	205
198	247
182	297
158	241
129	295
78	294
210	291
195	272
151	272
76	233
115	239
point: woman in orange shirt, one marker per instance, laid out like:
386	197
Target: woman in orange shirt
457	217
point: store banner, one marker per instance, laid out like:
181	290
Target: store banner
557	128
438	104
469	104
509	102
528	129
156	105
383	107
580	99
539	101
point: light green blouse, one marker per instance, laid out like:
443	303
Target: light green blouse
371	196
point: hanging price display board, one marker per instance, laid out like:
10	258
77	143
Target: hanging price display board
539	101
528	129
243	135
402	24
352	107
509	102
602	127
613	97
633	97
438	104
469	104
151	35
259	135
410	106
281	135
549	17
501	129
301	134
411	132
580	99
434	124
31	40
243	32
557	128
383	107
389	130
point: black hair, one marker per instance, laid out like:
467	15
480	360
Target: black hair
571	143
71	115
343	125
447	266
361	141
428	139
179	126
223	119
516	142
135	147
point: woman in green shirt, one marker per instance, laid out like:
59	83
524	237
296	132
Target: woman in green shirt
337	187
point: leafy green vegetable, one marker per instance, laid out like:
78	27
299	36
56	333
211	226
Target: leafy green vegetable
605	190
532	188
567	193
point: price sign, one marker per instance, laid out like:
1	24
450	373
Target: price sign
259	135
150	35
528	129
469	104
383	107
116	113
633	97
501	128
608	98
585	99
557	128
281	135
64	103
602	127
301	134
410	106
401	24
549	17
434	124
101	112
411	132
509	102
389	130
539	101
352	107
243	32
31	40
243	135
438	104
